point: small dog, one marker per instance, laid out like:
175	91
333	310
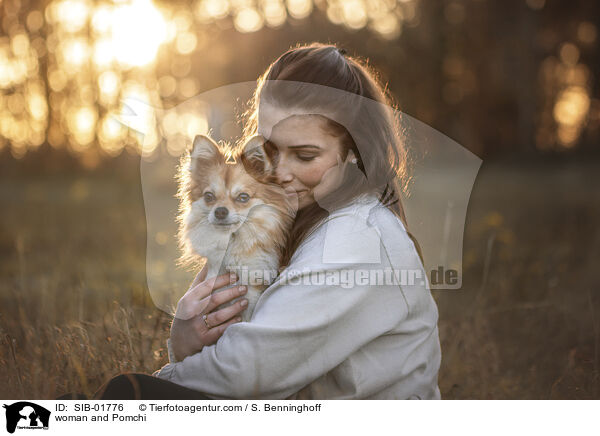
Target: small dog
233	214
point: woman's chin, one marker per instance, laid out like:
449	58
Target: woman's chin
304	205
304	199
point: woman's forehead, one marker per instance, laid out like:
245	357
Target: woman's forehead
300	130
273	120
269	116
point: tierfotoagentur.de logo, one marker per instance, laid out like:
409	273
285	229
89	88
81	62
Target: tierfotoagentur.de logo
26	415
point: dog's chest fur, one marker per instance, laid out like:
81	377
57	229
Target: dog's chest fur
240	253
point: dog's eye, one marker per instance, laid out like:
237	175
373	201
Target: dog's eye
243	197
209	197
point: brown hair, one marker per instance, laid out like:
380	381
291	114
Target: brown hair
304	71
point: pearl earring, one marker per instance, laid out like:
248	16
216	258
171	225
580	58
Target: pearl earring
354	161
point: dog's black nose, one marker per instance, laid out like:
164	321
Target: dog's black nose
221	212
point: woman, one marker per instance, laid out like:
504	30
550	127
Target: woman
321	330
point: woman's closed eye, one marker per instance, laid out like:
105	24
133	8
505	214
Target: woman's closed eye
306	157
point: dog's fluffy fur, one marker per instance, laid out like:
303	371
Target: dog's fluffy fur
250	238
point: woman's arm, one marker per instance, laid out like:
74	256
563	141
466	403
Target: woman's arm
190	331
298	333
301	329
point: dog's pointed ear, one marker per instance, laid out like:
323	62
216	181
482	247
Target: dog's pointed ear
255	158
204	148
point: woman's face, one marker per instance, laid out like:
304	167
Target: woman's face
308	159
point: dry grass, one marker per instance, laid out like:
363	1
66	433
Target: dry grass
527	325
75	308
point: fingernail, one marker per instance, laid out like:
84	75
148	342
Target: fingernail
244	303
238	319
243	290
233	277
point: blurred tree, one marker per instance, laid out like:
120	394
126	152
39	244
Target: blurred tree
497	77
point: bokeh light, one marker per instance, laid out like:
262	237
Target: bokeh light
66	68
137	30
67	65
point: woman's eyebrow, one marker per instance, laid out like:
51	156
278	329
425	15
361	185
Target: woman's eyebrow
305	146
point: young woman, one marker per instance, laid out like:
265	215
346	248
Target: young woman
341	321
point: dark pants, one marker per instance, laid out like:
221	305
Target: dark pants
139	387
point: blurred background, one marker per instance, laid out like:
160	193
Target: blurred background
514	82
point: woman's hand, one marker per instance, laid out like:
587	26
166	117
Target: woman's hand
190	332
333	177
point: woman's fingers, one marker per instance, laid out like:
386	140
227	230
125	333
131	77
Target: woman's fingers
196	300
213	334
225	296
189	332
204	288
222	315
200	277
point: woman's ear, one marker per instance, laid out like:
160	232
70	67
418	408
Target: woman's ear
351	157
204	148
255	158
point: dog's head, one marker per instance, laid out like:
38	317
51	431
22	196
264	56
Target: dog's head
222	189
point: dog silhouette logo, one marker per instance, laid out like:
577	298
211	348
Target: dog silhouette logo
26	415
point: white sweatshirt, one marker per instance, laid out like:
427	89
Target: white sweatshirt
336	324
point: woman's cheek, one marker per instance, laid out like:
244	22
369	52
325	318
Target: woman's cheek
313	174
306	176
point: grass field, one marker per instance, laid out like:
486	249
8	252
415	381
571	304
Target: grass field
75	308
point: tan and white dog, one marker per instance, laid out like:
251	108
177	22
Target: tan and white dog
233	214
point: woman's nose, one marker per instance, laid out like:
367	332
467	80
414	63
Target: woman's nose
283	173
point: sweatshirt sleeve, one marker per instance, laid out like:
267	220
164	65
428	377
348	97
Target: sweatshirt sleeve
311	319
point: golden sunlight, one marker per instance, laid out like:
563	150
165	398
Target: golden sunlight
71	15
82	125
300	8
137	31
274	12
208	10
103	54
572	106
111	134
71	62
108	84
74	53
354	14
66	66
248	20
